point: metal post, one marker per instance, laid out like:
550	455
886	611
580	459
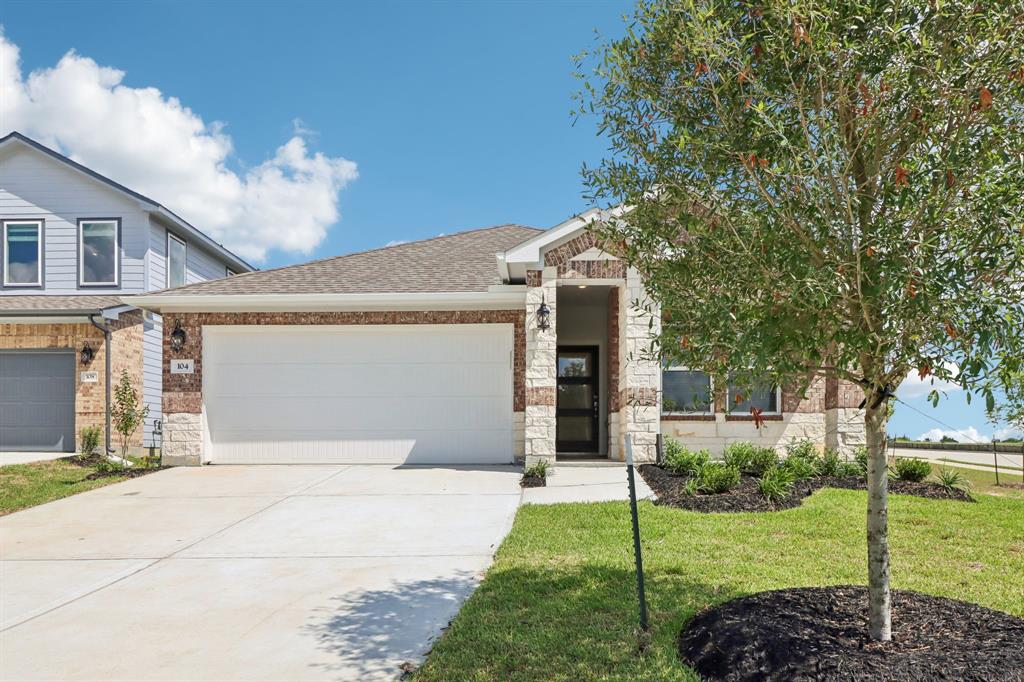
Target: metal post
636	535
995	460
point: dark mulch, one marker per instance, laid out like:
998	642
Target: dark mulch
820	633
533	481
745	497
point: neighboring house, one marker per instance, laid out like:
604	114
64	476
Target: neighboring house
440	351
72	242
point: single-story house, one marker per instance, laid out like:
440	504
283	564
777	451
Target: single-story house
473	348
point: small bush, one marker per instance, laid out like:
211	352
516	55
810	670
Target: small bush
803	449
90	440
860	458
952	480
538	470
763	460
911	469
690	487
799	468
849	469
682	460
714	478
775	484
739	455
749	458
829	464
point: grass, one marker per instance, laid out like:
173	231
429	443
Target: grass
559	602
26	485
985	481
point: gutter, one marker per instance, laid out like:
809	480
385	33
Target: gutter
107	350
513	297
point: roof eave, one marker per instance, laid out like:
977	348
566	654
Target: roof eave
449	300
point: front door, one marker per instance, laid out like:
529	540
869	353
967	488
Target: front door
577	401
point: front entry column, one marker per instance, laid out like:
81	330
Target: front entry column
541	351
639	372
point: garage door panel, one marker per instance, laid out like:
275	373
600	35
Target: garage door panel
374	412
37	401
384	394
357	380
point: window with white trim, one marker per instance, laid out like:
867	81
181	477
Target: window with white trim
23	253
761	395
686	391
175	261
99	252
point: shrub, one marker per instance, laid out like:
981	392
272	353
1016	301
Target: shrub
911	469
739	455
538	470
799	468
860	457
682	460
90	440
829	464
763	460
714	478
690	487
775	484
849	469
803	449
128	411
952	480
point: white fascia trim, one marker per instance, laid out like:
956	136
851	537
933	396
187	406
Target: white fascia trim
529	252
469	300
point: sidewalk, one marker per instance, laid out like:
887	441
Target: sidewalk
586	484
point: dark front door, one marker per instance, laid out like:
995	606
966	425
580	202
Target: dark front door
577	401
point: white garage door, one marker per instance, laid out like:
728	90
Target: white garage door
417	394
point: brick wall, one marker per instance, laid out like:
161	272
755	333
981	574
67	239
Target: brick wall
89	398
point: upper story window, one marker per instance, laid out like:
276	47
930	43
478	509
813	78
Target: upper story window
175	261
761	395
685	391
99	252
23	253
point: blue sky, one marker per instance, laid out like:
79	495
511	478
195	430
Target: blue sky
393	121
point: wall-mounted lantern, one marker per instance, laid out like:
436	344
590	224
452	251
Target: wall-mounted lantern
86	354
178	337
543	313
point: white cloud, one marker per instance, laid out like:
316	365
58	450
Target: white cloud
154	144
965	435
915	387
396	242
1008	432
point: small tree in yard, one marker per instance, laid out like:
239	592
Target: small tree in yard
827	186
127	413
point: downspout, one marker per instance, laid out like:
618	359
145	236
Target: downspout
106	396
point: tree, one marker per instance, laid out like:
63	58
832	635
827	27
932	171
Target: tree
1011	408
828	186
127	413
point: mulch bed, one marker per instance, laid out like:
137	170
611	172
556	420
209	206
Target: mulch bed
745	497
90	462
820	633
533	481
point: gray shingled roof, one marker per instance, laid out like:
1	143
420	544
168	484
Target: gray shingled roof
18	304
457	262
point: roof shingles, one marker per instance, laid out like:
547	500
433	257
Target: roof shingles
17	303
452	263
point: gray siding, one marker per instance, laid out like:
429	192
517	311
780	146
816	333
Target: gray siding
37	187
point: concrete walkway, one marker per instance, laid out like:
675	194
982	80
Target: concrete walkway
247	572
27	457
585	484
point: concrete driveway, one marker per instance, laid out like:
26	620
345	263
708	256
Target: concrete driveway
247	572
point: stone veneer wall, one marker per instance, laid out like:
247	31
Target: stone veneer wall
183	393
540	375
806	415
639	372
89	398
614	448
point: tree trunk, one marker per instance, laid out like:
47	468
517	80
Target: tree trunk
879	624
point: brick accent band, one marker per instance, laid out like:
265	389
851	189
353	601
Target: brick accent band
572	248
540	396
183	392
592	269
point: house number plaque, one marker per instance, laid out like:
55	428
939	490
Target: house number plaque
183	366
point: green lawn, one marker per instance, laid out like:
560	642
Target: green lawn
559	602
26	485
1011	484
